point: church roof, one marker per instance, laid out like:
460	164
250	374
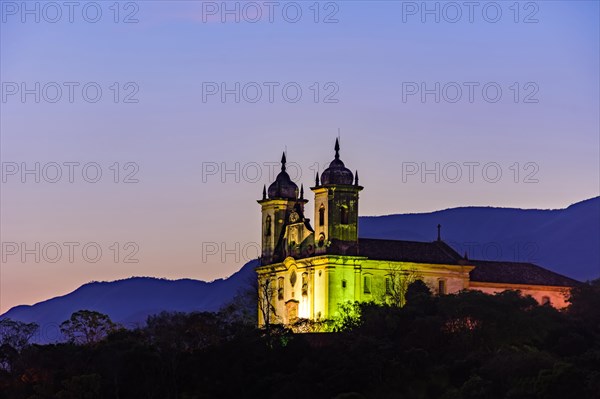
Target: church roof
337	173
436	252
283	186
517	273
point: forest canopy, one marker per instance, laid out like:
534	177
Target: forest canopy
466	345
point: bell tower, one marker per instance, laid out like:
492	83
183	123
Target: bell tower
277	203
336	209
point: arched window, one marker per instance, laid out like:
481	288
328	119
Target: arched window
367	284
268	226
270	288
280	288
321	241
442	287
321	215
304	283
344	215
546	300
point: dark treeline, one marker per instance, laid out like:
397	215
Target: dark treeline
468	345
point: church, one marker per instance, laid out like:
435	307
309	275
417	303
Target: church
307	272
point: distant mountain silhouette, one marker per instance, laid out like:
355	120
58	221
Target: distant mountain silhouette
130	301
566	241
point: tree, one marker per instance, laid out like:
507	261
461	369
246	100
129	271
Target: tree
417	293
397	282
266	292
16	333
14	337
242	308
81	387
87	327
348	316
585	304
184	332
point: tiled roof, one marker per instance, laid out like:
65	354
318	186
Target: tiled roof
436	252
517	273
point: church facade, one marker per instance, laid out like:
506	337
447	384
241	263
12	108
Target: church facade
307	272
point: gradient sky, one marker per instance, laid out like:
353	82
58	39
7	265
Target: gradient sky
171	134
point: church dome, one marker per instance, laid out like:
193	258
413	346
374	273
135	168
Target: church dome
283	186
337	173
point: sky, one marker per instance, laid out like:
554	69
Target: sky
136	137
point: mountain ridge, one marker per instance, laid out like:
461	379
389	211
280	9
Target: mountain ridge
582	202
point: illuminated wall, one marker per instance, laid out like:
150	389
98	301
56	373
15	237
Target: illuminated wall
555	296
313	288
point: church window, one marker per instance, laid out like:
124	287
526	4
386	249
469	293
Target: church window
321	215
442	287
388	285
270	288
367	284
343	283
546	300
321	240
268	226
344	215
304	283
280	288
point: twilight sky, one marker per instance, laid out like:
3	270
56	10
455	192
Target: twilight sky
194	113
